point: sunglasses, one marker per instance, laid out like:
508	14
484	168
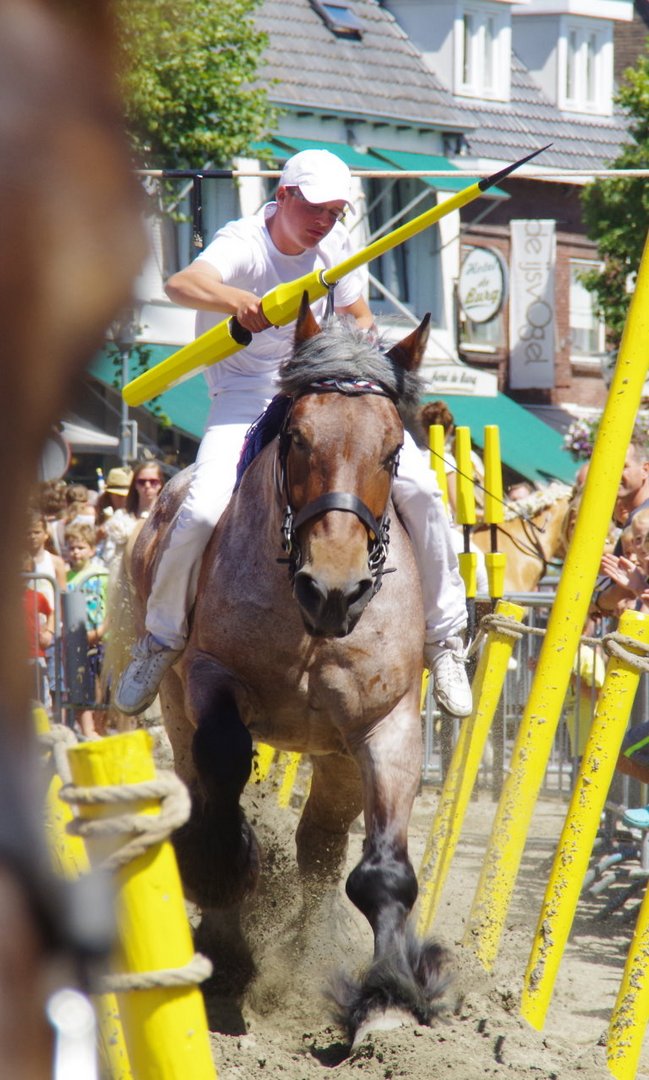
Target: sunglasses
142	481
317	208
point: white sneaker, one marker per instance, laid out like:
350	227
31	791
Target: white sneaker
139	682
446	661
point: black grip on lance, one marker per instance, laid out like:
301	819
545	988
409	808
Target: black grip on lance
239	332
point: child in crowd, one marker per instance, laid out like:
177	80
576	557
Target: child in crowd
87	575
631	569
47	576
39	622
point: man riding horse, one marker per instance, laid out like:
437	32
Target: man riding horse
299	232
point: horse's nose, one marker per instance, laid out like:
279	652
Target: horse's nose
331	612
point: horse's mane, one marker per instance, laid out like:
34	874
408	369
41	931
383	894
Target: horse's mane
537	501
344	352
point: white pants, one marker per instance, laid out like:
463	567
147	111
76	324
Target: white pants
416	495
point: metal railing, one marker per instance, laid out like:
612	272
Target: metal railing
440	735
61	683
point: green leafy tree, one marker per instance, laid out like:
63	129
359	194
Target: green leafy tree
188	80
616	210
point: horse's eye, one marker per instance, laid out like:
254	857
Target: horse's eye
392	460
296	439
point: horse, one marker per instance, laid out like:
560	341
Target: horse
303	637
533	534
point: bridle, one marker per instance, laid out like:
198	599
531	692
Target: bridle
378	531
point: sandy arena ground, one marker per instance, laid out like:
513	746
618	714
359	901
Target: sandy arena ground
284	1029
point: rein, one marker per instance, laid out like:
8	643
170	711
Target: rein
533	546
378	531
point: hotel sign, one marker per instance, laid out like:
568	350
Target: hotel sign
481	285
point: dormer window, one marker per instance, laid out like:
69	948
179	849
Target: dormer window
339	17
585	66
483	51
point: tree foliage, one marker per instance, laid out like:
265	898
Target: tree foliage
616	210
188	78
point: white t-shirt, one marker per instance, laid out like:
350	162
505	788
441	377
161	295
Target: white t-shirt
246	258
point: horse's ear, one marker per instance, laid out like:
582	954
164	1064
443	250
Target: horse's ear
409	352
306	326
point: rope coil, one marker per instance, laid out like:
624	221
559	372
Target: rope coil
633	652
144	830
193	972
501	624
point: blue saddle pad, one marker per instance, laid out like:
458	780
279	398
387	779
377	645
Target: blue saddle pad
265	428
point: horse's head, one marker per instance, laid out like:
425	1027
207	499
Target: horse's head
339	452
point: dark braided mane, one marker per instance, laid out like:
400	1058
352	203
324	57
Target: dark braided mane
344	352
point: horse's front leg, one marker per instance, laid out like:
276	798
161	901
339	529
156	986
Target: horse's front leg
217	850
407	977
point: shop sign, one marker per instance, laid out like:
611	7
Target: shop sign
481	285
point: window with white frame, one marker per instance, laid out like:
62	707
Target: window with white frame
483	51
586	66
587	330
410	274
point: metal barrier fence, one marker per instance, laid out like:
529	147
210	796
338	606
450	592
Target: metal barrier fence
66	663
60	678
440	736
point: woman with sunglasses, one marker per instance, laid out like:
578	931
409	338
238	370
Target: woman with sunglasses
146	484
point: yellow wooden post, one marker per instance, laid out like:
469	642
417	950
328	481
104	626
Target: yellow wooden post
541	716
70	860
262	760
289	763
458	785
437	447
166	1029
465	508
494	509
581	825
631	1012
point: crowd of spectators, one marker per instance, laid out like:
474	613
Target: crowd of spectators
74	535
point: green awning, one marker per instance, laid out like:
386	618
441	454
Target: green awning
282	146
409	161
527	445
186	405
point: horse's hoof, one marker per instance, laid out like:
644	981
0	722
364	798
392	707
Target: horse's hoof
387	1019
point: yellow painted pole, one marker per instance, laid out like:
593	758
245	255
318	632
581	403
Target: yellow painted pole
166	1029
460	778
581	824
68	852
465	508
541	716
494	511
262	760
437	447
70	860
289	763
282	304
631	1012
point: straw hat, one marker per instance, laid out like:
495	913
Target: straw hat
118	481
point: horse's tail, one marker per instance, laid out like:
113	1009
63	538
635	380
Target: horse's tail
121	621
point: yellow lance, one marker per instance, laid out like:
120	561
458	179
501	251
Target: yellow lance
281	305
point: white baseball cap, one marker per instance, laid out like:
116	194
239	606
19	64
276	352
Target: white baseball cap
320	175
